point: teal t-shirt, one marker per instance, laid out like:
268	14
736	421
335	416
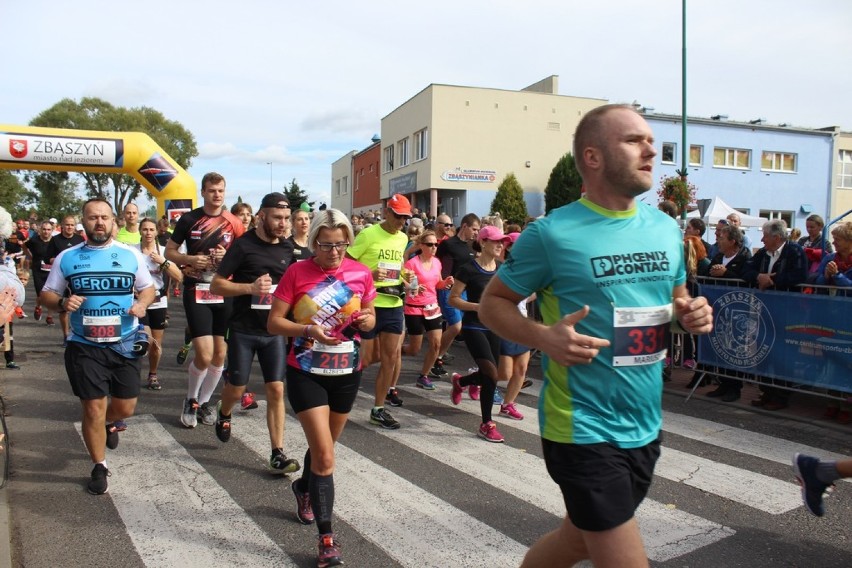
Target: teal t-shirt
624	265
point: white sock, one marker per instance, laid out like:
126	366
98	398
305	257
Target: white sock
211	381
196	378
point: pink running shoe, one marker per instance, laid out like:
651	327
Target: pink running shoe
511	411
247	401
473	391
456	392
488	431
328	551
689	364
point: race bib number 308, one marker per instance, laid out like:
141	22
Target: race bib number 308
641	335
105	329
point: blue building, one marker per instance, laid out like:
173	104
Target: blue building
763	170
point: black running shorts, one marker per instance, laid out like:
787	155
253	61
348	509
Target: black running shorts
306	391
418	325
206	319
155	319
96	372
388	320
271	353
602	485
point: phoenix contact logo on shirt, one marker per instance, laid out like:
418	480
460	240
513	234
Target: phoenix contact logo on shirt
631	268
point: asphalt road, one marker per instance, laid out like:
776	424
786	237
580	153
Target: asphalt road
429	494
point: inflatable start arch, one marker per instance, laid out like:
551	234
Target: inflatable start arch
131	153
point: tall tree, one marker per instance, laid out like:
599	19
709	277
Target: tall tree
295	196
96	114
565	184
13	194
509	201
54	194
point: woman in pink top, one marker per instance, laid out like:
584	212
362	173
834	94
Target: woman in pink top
330	298
422	312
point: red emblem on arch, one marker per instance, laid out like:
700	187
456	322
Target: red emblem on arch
18	148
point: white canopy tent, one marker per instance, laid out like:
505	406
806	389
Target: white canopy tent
718	209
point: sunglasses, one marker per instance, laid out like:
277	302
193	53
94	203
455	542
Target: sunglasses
398	216
429	244
447	225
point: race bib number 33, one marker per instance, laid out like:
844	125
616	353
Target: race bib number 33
641	335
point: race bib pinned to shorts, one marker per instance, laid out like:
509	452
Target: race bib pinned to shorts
332	360
263	301
203	295
431	311
641	335
102	329
160	303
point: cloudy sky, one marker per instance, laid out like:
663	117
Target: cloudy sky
299	84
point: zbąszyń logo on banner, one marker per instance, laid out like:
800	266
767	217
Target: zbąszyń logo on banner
743	330
17	148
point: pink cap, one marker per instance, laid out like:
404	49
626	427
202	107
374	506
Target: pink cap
492	233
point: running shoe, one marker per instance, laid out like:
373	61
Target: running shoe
473	391
812	488
247	401
328	551
498	397
49	321
120	425
383	418
183	353
447	358
206	414
99	485
111	436
488	431
511	411
280	463
154	382
437	371
12	365
303	505
223	424
456	393
19	311
65	343
189	417
425	383
526	384
37	313
392	397
689	364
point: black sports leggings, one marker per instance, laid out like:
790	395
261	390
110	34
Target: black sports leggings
484	347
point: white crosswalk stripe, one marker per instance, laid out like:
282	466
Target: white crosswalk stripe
184	512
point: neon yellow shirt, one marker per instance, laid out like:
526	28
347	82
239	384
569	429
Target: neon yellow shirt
126	237
376	248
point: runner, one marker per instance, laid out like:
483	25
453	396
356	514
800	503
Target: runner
37	250
102	357
155	318
249	274
66	239
331	299
604	335
380	248
208	232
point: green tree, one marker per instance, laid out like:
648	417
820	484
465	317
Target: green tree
565	184
96	114
13	194
509	201
54	194
295	196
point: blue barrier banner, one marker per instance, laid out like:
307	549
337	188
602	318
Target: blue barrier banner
803	338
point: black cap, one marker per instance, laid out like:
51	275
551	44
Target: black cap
276	200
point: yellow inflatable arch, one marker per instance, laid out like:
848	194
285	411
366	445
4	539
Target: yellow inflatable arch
131	153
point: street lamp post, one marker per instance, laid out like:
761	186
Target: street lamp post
270	176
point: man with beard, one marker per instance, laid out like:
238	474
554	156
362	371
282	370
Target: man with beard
606	305
66	239
103	354
250	272
208	232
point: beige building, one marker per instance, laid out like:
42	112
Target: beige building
449	147
341	183
841	199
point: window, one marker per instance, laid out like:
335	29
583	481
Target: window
344	185
402	152
669	152
420	145
769	214
696	155
337	187
731	158
778	162
389	159
844	171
